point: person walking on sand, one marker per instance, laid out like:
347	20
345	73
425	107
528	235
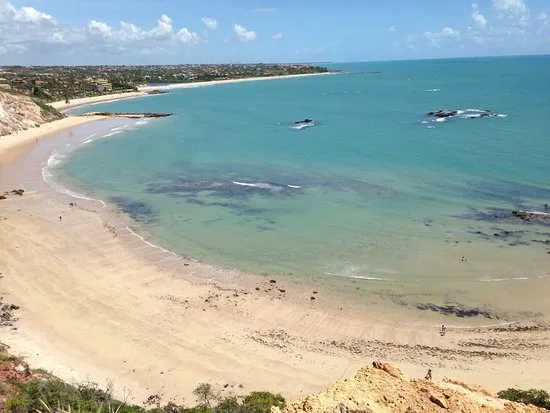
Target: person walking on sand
443	330
60	218
429	375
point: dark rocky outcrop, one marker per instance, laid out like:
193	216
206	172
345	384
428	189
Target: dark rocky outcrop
443	113
531	216
456	309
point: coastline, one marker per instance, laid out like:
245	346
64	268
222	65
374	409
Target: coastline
14	144
228	81
173	326
142	91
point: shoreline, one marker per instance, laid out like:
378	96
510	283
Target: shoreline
173	326
143	91
15	144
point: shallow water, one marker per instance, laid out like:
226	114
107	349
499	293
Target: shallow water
375	190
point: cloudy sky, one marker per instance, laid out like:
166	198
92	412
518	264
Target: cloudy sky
207	31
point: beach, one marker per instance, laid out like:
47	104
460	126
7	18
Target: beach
99	303
142	90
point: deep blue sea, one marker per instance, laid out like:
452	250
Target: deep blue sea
374	189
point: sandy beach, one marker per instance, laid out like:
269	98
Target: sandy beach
13	145
98	303
63	106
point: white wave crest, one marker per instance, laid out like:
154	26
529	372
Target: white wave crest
48	177
433	90
111	134
493	280
261	185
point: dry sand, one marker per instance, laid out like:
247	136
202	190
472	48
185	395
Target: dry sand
62	105
13	145
98	303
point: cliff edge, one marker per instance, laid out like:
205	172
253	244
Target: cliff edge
383	388
19	112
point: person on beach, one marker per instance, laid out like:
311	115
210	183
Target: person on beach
428	375
60	218
443	330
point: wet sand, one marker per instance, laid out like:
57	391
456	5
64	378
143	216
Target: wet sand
97	302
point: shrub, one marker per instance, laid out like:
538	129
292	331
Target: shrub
261	402
205	394
229	405
55	395
539	398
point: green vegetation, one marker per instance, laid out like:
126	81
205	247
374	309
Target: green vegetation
539	398
55	396
47	111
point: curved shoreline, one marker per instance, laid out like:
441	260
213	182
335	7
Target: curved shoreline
143	91
170	328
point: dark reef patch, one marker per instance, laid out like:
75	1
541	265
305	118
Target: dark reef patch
456	309
138	210
182	186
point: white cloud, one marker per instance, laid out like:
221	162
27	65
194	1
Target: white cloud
543	17
392	29
243	34
31	31
211	24
277	36
477	17
187	37
446	33
512	10
266	10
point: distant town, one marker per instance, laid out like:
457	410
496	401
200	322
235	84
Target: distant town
69	82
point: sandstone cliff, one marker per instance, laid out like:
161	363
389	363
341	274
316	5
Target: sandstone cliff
383	388
20	112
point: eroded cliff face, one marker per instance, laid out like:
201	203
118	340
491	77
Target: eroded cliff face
383	388
20	112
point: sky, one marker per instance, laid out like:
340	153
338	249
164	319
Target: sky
76	32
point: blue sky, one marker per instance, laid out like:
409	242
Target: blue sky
218	31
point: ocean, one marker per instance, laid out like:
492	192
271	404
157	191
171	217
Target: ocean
373	189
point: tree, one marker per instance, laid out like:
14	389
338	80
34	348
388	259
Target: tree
205	394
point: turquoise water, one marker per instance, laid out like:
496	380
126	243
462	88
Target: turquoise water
375	189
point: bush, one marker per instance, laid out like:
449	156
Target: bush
55	395
535	397
229	405
261	402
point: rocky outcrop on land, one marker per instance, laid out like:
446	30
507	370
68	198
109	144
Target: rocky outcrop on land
383	388
19	112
